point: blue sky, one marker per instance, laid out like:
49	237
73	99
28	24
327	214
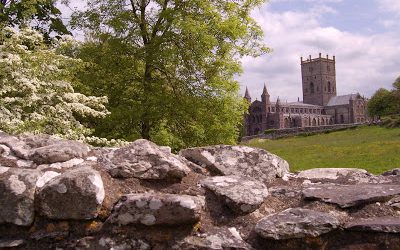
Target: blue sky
349	15
364	35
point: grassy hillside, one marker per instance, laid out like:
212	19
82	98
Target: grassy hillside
375	149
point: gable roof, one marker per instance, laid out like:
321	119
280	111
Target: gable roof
341	100
301	104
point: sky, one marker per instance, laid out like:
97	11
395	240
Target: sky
364	35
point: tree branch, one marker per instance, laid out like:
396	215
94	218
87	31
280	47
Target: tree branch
160	19
140	21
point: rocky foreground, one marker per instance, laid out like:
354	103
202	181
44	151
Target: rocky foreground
58	194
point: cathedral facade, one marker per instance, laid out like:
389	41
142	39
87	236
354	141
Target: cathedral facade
320	106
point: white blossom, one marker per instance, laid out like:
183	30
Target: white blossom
35	94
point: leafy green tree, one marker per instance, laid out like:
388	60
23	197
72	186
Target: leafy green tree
396	95
36	94
381	103
168	66
396	83
42	15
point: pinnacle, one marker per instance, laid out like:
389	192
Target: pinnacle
265	91
278	101
247	94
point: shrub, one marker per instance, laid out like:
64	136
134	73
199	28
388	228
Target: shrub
269	131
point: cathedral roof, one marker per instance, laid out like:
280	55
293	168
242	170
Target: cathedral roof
341	100
303	104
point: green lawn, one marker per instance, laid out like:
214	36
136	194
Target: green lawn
375	149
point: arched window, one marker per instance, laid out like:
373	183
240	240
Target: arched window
312	88
287	123
329	87
314	122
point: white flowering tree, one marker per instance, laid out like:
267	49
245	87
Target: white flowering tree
36	94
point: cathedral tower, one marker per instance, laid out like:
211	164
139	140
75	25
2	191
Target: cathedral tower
319	80
265	100
247	96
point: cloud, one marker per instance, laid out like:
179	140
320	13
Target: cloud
364	63
389	5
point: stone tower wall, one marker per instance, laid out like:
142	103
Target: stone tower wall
318	80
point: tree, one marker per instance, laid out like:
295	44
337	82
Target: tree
41	15
168	66
396	84
396	95
36	94
381	103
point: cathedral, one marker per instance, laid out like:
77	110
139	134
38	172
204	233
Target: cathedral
321	105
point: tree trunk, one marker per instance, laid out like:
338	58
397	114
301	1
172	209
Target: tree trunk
145	130
145	122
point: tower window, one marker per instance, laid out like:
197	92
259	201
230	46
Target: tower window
328	68
312	88
329	87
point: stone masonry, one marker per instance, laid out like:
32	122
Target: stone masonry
320	106
59	194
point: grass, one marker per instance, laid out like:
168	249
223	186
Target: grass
373	148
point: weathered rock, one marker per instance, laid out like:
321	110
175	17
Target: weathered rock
17	189
59	152
52	231
61	166
194	167
238	160
15	162
285	191
18	147
296	223
11	243
75	194
115	242
395	171
157	209
379	224
241	194
46	177
145	160
394	202
224	238
38	141
4	150
351	195
333	173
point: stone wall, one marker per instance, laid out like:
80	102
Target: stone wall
287	132
59	194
